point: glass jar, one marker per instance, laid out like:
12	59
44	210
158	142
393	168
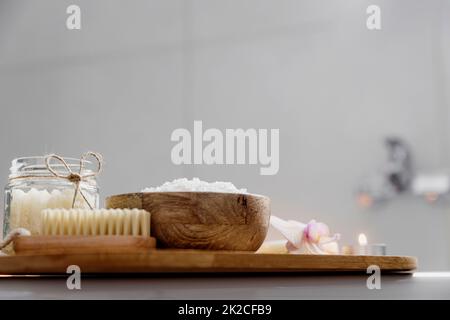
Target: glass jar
32	187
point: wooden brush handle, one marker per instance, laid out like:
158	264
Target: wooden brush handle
82	244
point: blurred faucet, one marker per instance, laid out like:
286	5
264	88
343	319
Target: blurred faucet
399	166
395	176
398	176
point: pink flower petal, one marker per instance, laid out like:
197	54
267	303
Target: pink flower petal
315	230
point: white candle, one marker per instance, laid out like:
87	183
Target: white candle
377	249
362	248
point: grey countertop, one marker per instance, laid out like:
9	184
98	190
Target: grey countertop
305	286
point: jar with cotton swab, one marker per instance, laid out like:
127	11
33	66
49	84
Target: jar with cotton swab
37	183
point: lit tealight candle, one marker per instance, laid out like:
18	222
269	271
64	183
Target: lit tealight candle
362	240
378	249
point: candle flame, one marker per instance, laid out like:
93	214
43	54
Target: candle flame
362	239
365	200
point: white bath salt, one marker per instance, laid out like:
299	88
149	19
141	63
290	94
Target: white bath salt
196	185
26	206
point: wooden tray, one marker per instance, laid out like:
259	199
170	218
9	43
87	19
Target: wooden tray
197	261
44	245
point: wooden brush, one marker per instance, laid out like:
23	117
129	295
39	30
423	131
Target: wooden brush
66	231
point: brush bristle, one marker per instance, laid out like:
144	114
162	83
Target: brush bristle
97	222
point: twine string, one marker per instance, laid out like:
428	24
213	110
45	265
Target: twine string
74	177
13	235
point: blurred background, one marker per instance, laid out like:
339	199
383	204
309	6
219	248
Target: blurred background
139	69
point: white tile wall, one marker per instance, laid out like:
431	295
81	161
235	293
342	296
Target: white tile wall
125	108
29	29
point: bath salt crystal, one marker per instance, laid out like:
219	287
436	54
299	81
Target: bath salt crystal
196	185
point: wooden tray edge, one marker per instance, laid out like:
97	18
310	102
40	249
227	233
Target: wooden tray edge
197	261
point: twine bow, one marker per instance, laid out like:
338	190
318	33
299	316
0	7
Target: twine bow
75	177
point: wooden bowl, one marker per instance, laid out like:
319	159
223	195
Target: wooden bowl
202	220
